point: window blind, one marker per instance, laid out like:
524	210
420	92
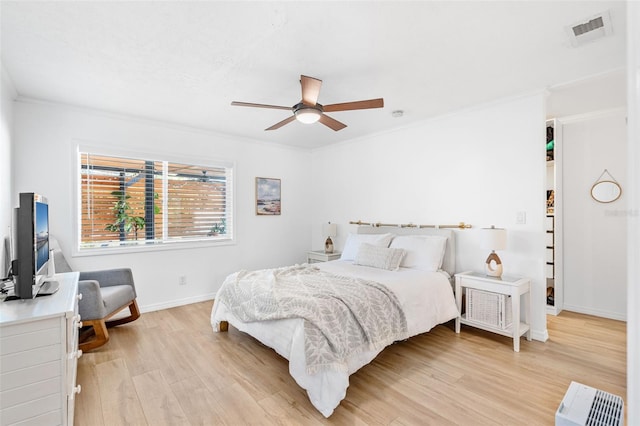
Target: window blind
130	201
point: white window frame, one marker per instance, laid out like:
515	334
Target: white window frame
134	248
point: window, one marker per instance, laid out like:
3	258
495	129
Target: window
133	202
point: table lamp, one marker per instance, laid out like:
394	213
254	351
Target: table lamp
331	230
494	239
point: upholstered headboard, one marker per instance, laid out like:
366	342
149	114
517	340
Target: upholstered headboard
449	262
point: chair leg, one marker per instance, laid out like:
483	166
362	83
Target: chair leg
135	314
101	335
100	327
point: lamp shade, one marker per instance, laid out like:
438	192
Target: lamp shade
493	238
331	229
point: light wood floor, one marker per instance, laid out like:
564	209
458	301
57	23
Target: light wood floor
170	368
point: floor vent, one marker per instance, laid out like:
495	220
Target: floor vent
585	406
590	29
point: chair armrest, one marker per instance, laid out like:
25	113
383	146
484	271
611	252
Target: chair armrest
91	306
110	277
60	262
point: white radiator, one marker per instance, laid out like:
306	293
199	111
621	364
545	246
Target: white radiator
585	406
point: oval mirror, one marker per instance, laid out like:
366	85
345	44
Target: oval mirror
606	191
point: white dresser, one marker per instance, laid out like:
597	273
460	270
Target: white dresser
39	356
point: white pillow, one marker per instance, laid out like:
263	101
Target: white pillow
379	257
352	245
424	252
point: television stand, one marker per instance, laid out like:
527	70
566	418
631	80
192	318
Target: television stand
48	288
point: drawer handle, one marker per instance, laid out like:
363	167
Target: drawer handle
75	354
74	391
76	319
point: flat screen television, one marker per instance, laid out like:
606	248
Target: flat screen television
31	239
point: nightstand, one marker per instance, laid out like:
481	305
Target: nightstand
493	304
321	256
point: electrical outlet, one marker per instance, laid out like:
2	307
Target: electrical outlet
182	280
521	218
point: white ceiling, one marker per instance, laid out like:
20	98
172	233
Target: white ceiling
184	62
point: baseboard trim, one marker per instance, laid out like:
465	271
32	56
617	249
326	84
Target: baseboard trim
541	336
178	302
595	312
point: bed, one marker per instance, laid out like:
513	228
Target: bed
420	283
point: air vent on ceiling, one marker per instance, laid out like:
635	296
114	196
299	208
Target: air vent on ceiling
590	29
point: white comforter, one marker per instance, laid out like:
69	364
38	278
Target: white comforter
426	297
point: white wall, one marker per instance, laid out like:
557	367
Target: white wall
594	234
46	136
633	156
7	94
481	166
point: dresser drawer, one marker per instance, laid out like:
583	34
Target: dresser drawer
23	337
34	374
31	410
33	391
19	360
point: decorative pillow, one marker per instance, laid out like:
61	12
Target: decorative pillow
352	245
379	257
424	252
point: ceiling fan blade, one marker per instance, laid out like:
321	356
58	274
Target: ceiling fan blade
331	122
247	104
281	123
348	106
310	89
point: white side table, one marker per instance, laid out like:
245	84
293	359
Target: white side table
510	286
316	256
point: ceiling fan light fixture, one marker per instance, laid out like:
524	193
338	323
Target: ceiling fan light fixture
309	111
307	115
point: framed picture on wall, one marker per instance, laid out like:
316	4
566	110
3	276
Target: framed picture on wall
267	196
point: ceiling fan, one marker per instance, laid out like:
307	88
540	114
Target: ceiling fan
308	110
